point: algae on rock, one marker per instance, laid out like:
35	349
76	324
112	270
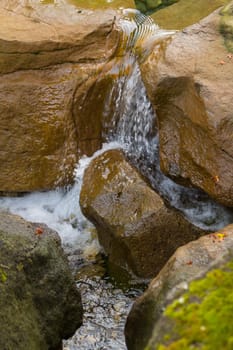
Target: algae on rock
226	25
185	13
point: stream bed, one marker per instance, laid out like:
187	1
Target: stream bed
105	311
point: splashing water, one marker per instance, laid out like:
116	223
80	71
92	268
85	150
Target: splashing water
134	127
59	209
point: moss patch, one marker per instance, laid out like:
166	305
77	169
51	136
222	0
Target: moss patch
202	318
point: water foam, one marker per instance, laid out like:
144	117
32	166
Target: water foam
59	209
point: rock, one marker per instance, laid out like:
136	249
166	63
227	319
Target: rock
200	315
51	59
136	229
190	86
187	264
39	301
226	25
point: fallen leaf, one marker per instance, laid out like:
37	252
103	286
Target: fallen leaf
39	231
221	236
216	178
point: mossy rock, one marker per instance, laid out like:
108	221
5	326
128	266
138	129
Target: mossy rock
201	318
226	25
39	302
150	6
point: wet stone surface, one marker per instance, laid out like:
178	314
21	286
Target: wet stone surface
105	310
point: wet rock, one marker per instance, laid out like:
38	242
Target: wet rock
51	56
39	301
136	229
187	264
202	314
190	86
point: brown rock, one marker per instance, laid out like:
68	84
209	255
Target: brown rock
188	263
50	60
190	86
136	229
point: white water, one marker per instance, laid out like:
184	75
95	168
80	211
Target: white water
59	209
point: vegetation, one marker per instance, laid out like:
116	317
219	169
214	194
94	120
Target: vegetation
202	318
226	25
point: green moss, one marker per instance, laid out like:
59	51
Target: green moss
3	276
103	4
202	318
226	26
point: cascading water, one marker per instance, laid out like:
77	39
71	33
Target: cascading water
133	128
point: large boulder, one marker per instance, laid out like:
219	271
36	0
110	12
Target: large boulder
135	227
188	263
51	56
190	86
39	302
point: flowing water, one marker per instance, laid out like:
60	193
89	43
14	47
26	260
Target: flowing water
133	128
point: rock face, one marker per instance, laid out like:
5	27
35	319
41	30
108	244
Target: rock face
190	86
136	229
188	263
51	56
39	302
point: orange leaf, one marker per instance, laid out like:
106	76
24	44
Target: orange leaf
39	231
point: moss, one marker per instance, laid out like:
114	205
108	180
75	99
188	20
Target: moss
226	26
202	318
186	12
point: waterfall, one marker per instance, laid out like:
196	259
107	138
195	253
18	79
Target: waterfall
135	129
132	127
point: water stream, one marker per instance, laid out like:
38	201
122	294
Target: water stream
133	128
